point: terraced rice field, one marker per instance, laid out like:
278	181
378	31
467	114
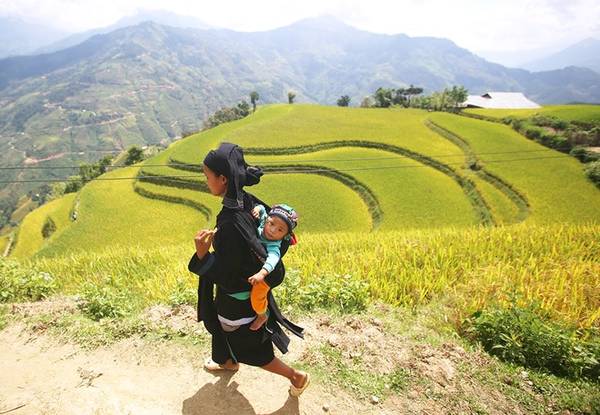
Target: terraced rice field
582	113
30	238
551	182
344	169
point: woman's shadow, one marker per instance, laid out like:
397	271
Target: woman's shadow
222	398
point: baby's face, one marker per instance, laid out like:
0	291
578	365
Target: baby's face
275	228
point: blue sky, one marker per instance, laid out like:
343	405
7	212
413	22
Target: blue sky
479	25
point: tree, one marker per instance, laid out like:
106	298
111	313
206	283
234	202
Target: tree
104	163
399	96
344	101
456	95
439	100
291	96
134	154
383	97
410	91
88	171
254	97
226	114
367	102
73	185
243	108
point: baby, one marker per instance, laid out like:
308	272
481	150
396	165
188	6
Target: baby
273	227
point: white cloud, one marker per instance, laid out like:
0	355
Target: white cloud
474	24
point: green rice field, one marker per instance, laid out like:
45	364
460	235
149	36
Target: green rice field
556	265
581	113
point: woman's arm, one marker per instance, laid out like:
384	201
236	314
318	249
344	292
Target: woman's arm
224	265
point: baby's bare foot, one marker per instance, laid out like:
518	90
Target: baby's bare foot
259	321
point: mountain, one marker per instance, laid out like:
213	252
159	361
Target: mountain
158	16
18	37
585	54
149	83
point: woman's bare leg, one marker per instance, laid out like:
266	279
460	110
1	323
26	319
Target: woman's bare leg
297	377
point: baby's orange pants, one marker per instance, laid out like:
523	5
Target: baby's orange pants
258	297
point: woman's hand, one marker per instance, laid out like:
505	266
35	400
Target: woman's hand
203	241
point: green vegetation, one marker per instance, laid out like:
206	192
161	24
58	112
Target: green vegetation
227	114
527	336
22	283
592	171
105	300
581	113
468	267
48	228
331	292
134	155
32	237
111	214
379	168
553	184
343	101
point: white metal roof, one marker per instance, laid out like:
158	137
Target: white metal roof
500	100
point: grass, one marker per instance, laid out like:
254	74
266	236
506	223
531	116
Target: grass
582	113
467	268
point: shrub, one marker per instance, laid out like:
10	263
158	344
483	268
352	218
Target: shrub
105	301
74	184
331	291
526	336
226	114
134	155
18	283
557	142
49	228
583	155
532	132
547	121
183	294
592	171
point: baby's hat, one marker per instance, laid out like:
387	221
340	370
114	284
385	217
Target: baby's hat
287	213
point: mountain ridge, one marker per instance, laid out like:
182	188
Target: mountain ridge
585	53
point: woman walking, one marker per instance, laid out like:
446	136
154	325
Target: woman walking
238	254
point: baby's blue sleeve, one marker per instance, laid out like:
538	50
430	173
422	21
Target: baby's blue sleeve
273	256
262	213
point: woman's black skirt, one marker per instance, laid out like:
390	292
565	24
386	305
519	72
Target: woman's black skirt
251	347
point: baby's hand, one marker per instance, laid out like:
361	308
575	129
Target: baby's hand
256	278
256	212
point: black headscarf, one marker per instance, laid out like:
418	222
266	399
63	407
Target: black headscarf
228	160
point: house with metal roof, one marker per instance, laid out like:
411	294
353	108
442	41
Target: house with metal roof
507	100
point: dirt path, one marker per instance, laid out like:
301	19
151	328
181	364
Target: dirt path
134	377
423	373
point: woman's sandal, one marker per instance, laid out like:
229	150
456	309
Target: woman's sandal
212	366
295	392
